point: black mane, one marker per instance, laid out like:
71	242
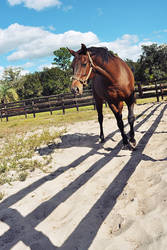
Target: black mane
103	52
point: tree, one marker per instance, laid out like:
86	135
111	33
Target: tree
153	63
62	58
54	81
30	86
7	93
11	76
8	84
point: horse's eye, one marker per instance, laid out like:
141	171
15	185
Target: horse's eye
84	64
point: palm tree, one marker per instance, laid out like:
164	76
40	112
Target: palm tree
7	93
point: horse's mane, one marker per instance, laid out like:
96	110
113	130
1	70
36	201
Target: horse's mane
103	52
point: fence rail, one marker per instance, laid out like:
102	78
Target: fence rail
62	102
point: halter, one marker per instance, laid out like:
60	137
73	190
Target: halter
84	82
95	67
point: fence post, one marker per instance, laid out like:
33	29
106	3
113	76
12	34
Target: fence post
1	114
33	108
25	111
6	113
63	106
50	106
162	94
1	111
140	89
156	90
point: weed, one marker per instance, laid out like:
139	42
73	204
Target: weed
16	156
2	194
23	176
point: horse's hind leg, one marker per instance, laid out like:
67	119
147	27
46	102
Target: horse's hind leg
99	107
131	119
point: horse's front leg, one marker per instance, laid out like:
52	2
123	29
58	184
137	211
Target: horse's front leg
100	119
99	107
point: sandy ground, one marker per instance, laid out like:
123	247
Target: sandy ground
98	196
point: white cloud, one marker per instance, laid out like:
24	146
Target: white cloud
36	4
30	43
27	65
128	46
16	35
25	42
49	66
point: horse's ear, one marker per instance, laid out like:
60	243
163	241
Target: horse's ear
83	48
72	52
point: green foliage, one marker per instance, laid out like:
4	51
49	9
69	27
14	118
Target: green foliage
16	156
50	81
30	86
62	58
133	65
11	76
113	53
55	81
8	85
152	63
7	93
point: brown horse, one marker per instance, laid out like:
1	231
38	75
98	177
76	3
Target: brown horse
112	81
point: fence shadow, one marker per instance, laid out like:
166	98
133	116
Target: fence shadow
20	226
84	234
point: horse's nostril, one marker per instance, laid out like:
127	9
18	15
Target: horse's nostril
75	90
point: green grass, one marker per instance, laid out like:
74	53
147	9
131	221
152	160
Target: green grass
16	155
19	124
146	100
17	149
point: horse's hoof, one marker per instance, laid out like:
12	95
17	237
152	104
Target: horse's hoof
128	147
132	142
102	140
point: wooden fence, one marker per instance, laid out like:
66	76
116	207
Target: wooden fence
62	102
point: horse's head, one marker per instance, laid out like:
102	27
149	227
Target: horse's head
82	69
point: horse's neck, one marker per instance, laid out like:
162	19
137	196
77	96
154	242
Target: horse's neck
104	70
104	73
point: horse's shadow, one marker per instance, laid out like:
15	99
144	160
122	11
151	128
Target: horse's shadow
74	140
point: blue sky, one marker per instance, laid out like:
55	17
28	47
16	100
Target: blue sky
30	30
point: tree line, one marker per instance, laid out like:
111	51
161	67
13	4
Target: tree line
151	65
